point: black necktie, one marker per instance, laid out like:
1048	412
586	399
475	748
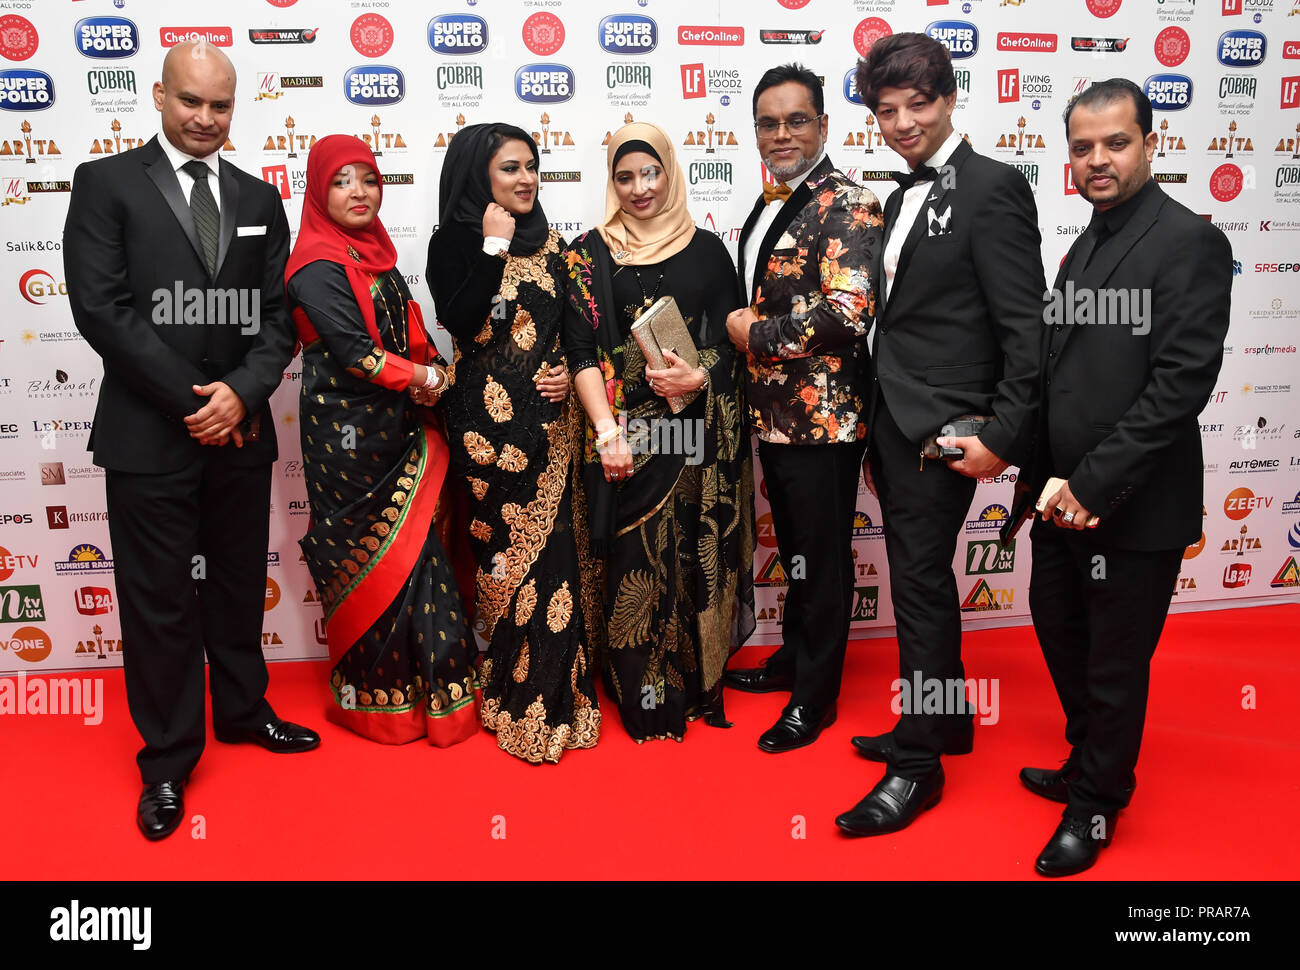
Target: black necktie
1092	238
907	179
207	220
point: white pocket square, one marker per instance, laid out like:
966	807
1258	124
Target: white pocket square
938	225
250	230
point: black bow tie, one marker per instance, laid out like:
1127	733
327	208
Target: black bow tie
923	174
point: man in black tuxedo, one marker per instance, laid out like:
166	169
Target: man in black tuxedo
957	333
1137	319
806	257
180	289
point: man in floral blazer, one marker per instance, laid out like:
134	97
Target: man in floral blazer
806	253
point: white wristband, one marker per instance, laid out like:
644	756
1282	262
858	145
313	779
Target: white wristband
432	379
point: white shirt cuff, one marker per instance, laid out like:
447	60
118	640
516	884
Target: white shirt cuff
495	245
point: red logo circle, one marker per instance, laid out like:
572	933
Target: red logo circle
282	3
1226	182
1172	46
18	39
868	32
6	570
1239	503
372	35
543	33
1104	8
794	4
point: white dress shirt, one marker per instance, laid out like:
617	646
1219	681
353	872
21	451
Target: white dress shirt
764	223
913	199
178	158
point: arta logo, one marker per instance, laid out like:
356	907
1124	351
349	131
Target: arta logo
374	84
868	32
18	38
372	35
29	643
1168	92
458	33
543	33
24	89
628	33
1242	48
107	37
961	38
544	83
1172	46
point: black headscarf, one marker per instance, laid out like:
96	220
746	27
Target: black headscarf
465	189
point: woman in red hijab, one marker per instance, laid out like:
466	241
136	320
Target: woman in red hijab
375	459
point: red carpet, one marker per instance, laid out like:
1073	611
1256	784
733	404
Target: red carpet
1216	799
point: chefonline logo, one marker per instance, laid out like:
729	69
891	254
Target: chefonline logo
544	83
216	36
1026	43
1242	48
628	33
107	37
711	36
1168	92
374	84
25	89
961	38
458	33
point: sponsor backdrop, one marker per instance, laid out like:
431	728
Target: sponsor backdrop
75	78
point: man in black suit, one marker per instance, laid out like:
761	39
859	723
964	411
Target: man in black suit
180	289
806	257
1137	319
957	333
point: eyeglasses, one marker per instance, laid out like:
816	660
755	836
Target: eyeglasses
794	126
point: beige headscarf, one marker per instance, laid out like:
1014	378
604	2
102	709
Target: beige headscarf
647	241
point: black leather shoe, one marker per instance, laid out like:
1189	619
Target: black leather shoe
282	737
1075	845
798	726
1055	784
893	804
758	680
881	747
162	806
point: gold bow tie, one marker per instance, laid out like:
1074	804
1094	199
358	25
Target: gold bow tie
773	192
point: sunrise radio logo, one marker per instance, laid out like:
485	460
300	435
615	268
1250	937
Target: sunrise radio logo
990	519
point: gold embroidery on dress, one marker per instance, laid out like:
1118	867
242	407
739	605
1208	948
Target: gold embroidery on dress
509	512
512	459
560	610
526	602
532	739
480	530
523	329
520	269
479	448
496	400
520	673
478	487
485	334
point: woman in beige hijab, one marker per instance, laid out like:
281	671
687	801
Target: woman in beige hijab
670	495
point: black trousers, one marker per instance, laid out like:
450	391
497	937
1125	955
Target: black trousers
189	551
922	511
813	490
1098	612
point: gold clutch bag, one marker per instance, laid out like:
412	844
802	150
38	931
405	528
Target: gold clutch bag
662	328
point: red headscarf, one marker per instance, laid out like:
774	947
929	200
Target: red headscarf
320	237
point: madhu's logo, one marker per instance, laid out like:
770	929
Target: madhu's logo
107	37
24	89
1168	92
961	38
374	84
544	83
1242	48
458	33
628	33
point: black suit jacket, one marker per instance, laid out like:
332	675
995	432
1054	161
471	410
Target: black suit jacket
129	241
1121	408
961	330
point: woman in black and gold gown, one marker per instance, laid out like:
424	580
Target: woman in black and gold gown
497	276
375	459
671	510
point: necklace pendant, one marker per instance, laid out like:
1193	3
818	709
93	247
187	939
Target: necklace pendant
622	254
647	302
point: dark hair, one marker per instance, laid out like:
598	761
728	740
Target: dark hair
1108	92
792	72
498	133
907	60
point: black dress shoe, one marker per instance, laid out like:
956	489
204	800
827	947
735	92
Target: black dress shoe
758	680
1075	845
162	806
798	726
282	737
1055	784
893	804
881	747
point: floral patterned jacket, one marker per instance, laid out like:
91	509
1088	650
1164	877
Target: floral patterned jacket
815	301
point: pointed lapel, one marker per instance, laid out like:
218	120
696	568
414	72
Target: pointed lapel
161	174
759	206
935	199
229	210
1116	248
792	206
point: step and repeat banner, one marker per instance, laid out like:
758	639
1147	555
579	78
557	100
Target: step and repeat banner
75	84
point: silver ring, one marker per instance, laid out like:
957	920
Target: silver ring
1068	517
